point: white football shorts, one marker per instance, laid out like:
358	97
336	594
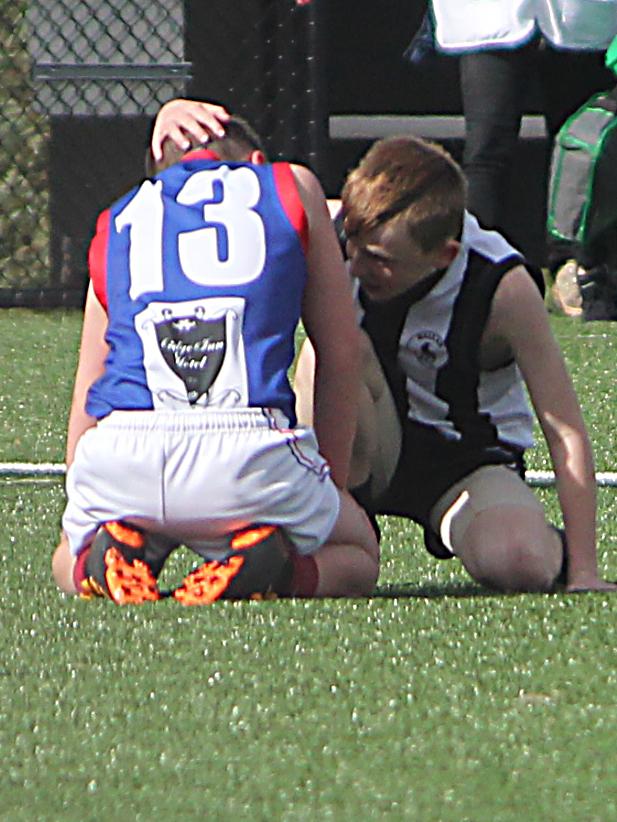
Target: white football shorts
195	475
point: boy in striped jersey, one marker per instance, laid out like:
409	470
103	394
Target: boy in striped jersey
456	331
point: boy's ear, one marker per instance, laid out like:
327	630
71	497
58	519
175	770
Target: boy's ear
257	157
447	253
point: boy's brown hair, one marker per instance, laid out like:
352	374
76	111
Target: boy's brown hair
409	179
239	141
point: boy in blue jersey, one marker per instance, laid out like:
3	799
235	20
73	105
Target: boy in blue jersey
182	427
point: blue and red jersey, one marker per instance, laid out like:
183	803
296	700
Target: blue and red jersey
201	270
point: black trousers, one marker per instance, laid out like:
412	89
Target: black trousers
495	88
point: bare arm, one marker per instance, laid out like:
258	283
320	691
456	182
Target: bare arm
329	319
91	363
180	117
519	318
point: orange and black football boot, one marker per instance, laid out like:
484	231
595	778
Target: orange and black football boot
116	566
257	566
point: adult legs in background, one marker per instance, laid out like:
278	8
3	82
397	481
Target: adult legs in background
493	88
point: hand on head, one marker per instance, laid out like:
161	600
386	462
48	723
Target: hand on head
179	119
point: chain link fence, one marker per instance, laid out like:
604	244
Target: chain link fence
80	83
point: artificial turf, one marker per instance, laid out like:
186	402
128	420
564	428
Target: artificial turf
433	700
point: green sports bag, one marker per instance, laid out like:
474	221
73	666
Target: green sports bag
582	195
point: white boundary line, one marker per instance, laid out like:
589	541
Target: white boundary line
32	469
604	479
48	469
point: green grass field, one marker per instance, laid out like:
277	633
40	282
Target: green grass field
433	700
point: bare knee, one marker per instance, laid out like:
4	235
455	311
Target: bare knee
523	558
365	536
349	562
62	564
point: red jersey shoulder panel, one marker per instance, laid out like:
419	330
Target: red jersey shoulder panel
290	198
97	257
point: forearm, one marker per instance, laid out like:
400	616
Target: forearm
329	318
576	488
335	416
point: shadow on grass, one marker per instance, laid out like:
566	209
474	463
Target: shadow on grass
462	590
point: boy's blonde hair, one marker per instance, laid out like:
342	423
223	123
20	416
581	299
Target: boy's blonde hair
408	179
239	142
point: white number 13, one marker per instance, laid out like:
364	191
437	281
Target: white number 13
229	250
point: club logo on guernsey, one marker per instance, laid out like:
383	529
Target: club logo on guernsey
194	349
428	348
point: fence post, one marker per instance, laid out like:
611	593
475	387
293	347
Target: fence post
317	106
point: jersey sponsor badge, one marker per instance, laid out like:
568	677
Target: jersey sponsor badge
194	349
194	352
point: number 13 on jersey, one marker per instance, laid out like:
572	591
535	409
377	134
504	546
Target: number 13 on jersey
228	250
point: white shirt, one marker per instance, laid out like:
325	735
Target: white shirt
468	25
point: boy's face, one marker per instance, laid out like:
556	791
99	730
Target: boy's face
388	262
